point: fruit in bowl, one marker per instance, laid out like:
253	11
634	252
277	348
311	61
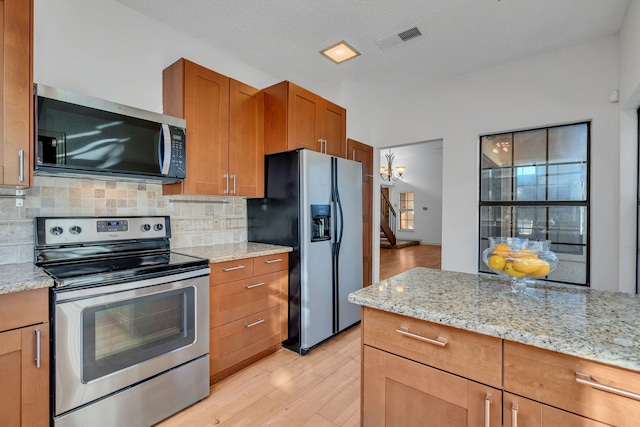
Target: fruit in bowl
519	259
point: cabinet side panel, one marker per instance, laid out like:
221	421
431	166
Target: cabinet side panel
275	118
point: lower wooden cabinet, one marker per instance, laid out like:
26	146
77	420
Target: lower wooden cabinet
248	312
24	359
522	412
401	392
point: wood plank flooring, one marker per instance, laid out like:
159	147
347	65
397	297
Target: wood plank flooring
395	261
320	389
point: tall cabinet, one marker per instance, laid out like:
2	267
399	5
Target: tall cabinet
364	154
225	145
298	118
16	87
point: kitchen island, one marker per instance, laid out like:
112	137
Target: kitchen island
567	355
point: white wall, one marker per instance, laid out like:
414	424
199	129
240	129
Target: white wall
423	176
563	86
629	102
104	49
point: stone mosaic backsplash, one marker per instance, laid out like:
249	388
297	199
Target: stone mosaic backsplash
195	220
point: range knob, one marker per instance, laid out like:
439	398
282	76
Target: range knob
56	231
145	227
158	227
76	229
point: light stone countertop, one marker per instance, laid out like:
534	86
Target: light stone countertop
233	251
27	276
22	277
596	325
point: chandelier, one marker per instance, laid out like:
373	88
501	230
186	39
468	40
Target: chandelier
388	173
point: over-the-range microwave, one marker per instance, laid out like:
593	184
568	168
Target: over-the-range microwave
79	135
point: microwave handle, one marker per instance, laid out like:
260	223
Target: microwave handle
164	149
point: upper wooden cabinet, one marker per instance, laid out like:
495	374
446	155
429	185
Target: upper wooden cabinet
298	118
16	87
225	145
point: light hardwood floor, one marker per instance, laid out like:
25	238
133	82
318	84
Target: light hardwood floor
395	261
320	389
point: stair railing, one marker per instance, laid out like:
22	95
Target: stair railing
387	218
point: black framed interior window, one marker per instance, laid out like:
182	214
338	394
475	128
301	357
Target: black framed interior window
535	184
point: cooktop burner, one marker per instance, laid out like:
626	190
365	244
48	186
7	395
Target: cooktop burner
89	251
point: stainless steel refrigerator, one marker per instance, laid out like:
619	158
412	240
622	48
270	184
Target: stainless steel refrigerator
313	203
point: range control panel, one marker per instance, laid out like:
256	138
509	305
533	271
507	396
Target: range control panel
70	230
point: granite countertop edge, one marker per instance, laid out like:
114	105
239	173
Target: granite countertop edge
22	277
581	339
233	251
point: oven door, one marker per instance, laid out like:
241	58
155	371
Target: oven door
111	337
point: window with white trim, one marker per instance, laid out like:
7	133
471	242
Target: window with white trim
407	210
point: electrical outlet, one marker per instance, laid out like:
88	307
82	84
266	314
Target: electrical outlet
425	208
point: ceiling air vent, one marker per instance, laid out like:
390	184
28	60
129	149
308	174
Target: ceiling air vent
399	37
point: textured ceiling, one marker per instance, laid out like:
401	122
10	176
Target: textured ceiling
283	37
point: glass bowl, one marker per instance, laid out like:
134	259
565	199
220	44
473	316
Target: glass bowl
519	260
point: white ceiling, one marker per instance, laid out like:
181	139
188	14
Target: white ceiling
283	37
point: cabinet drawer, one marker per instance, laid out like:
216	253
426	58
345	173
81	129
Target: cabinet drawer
270	263
222	272
470	355
24	308
551	378
240	298
240	340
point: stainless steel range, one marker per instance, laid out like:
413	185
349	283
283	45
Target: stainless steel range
130	320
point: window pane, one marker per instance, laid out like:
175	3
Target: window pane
568	224
572	264
496	150
531	183
495	221
406	220
568	182
530	222
497	184
530	147
568	143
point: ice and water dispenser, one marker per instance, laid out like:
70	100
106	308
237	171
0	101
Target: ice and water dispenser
320	223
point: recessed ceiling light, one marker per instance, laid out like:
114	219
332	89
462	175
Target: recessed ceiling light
340	52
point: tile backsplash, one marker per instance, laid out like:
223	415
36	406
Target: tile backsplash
195	220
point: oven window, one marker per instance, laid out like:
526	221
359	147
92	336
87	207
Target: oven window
124	333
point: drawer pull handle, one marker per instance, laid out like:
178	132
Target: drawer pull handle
38	348
271	261
239	267
254	285
440	341
586	380
514	415
487	410
257	322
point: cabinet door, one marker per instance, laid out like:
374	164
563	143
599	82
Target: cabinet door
24	389
333	129
246	140
364	154
521	412
401	392
204	102
303	122
16	75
